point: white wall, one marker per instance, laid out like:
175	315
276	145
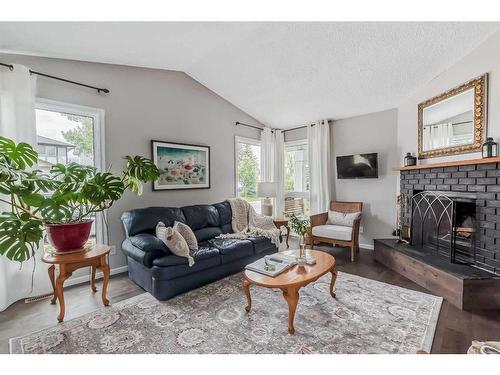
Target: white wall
374	132
484	59
146	104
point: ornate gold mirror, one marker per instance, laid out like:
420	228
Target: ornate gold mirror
454	122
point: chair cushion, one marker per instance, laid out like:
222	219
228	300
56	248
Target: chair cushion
342	218
335	232
232	249
173	266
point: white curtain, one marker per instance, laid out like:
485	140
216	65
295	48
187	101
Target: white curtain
318	136
279	172
438	136
17	122
267	155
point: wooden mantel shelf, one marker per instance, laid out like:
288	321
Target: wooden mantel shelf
450	164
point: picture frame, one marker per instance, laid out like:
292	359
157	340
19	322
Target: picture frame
182	165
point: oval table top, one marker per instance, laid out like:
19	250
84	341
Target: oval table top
295	276
94	251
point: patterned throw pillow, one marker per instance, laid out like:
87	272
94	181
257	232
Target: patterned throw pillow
174	241
341	218
187	233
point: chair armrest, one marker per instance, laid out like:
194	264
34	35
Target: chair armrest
355	230
318	219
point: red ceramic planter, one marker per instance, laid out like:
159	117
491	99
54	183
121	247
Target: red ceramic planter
71	236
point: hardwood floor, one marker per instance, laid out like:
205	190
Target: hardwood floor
455	330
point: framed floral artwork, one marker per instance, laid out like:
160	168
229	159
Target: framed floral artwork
182	166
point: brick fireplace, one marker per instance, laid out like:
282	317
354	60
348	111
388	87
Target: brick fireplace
481	182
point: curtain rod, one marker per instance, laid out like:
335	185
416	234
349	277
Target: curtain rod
106	91
259	128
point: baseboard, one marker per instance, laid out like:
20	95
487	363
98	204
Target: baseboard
86	278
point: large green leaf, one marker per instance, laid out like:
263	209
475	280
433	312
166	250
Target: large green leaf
55	210
22	153
141	168
103	189
33	199
73	172
19	236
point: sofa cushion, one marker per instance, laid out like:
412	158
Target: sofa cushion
337	232
207	233
148	242
144	220
225	212
174	266
261	244
201	216
232	249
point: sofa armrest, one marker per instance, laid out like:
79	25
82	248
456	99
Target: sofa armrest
318	219
144	248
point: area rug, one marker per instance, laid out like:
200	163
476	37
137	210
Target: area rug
366	317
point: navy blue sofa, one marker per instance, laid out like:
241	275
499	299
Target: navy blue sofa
152	266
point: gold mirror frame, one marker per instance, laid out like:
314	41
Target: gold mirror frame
480	85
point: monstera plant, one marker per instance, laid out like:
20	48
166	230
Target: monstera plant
62	201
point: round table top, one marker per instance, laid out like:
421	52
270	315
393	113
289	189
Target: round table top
296	275
94	251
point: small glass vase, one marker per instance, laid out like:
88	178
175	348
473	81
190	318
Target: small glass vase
301	259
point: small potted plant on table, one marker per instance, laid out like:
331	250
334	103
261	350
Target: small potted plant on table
62	201
301	226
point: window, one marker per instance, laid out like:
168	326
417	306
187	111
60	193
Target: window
296	178
70	133
247	153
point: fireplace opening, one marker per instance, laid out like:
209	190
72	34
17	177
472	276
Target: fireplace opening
444	223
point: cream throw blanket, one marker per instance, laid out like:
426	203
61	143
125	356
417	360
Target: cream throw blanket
248	223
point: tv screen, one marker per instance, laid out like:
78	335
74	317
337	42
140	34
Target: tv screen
357	166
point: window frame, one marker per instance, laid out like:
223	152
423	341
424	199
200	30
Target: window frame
98	117
241	139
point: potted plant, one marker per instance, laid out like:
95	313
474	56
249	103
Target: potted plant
62	201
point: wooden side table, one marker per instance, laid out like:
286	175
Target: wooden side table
94	257
283	222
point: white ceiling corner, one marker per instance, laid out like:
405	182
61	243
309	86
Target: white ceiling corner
283	74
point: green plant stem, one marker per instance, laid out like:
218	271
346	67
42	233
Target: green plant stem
16	206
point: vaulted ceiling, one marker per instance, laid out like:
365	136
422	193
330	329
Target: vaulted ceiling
283	74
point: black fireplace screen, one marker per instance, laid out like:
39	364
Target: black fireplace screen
432	222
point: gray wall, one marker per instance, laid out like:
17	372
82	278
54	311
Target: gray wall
147	104
374	132
484	59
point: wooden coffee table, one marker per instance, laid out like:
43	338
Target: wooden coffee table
94	257
292	280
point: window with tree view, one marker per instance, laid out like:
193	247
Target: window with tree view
248	170
296	178
65	134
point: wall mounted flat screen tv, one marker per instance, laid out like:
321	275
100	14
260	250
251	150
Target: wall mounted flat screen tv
357	166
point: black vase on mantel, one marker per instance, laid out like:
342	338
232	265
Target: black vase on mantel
410	160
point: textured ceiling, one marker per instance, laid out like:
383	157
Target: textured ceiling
283	74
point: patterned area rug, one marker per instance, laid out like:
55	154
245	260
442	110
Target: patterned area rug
366	317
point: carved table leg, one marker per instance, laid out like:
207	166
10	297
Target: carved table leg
63	275
292	298
332	283
92	279
52	277
105	281
287	235
246	289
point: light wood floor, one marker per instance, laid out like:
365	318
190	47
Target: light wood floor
455	331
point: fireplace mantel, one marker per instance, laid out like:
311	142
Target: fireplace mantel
450	164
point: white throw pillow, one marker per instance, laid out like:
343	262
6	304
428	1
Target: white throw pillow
341	218
187	233
174	241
